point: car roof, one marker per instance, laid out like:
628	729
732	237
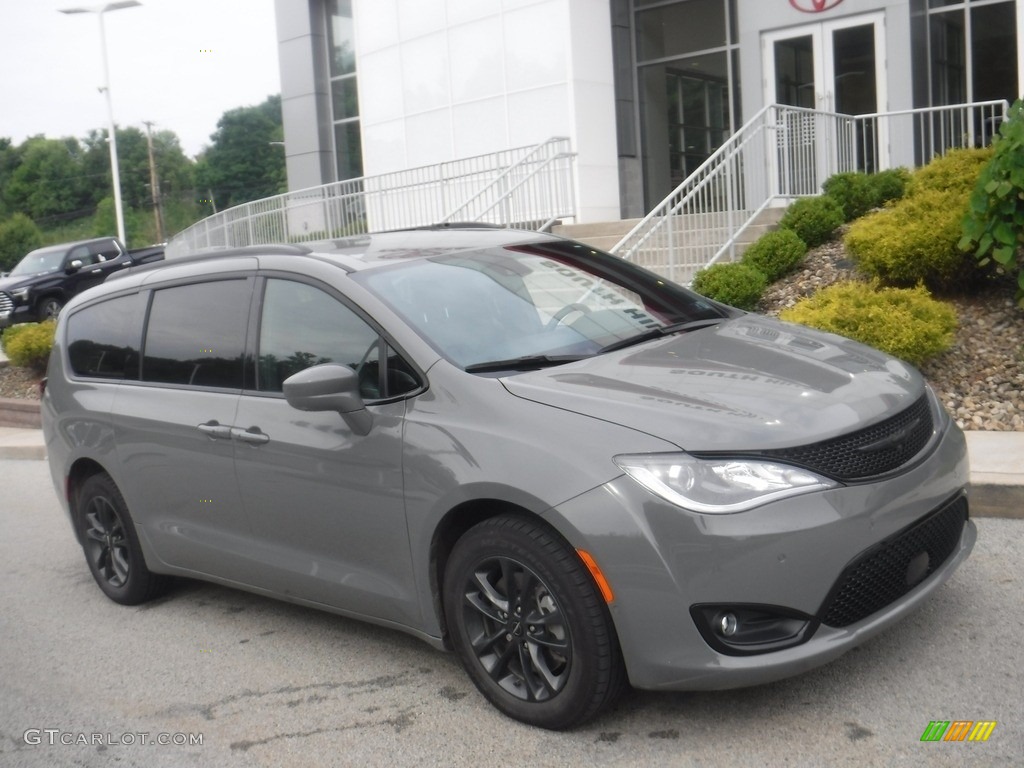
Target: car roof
359	252
68	246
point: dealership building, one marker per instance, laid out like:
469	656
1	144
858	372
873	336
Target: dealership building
645	90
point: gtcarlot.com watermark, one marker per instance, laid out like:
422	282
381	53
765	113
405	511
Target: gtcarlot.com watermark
56	737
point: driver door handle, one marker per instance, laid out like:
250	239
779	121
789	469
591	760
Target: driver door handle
252	435
215	429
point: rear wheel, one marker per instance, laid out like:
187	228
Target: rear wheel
111	545
529	625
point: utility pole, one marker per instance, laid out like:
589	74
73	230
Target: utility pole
154	184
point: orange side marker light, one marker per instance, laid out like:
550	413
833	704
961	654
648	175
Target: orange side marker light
595	571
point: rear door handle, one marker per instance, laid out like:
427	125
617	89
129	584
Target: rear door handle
252	435
215	429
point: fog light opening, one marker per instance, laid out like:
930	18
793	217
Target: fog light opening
747	629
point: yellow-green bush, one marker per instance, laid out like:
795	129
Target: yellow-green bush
28	345
956	171
905	322
735	284
914	241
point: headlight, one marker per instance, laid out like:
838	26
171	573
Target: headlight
21	293
719	486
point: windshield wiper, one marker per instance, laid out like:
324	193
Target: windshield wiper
525	363
657	333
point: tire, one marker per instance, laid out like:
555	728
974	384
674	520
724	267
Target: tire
111	545
529	626
48	308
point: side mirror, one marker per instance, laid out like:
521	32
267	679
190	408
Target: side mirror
329	387
74	266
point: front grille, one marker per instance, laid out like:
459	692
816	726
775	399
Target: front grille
6	305
871	451
880	576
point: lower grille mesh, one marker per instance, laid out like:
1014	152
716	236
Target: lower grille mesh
879	576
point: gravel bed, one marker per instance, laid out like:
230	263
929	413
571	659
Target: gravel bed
980	380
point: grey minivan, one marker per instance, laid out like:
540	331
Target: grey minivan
573	473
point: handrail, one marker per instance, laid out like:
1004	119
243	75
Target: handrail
782	153
402	199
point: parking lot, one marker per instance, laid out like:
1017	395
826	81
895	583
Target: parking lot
263	683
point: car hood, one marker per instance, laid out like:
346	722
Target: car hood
19	281
751	383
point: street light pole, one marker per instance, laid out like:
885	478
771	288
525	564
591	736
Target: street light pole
99	10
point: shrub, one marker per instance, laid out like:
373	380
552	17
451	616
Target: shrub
736	284
775	253
814	219
914	241
28	345
993	228
18	236
853	192
888	185
956	171
905	322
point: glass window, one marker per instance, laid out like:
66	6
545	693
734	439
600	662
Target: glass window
303	326
342	33
103	340
348	149
196	334
551	299
994	50
344	91
673	30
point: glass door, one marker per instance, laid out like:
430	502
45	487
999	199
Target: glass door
835	67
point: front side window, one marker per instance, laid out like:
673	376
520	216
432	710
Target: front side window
196	334
103	340
302	326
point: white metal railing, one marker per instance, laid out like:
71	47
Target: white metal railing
529	186
782	153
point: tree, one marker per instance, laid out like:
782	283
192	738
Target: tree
48	182
243	164
18	236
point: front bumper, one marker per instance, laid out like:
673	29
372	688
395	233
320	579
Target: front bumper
661	561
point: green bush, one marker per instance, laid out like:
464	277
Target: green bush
905	322
993	228
737	284
888	185
853	192
776	253
814	219
914	241
28	345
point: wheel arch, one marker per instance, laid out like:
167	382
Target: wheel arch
80	471
452	527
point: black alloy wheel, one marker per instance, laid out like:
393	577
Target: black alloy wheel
49	308
529	624
111	545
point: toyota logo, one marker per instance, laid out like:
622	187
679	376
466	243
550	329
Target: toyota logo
814	6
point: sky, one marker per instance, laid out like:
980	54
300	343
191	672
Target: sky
177	63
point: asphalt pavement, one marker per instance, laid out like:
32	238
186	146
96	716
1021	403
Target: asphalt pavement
258	682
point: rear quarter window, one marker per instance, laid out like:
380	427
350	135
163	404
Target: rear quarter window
103	339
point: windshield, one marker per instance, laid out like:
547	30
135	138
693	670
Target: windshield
554	300
43	260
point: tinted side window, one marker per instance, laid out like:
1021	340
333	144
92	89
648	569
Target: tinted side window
103	340
303	326
196	334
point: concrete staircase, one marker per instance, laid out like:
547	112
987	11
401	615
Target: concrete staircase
694	227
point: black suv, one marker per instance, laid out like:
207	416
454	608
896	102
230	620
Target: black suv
46	279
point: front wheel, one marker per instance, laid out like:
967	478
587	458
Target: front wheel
49	308
111	545
529	626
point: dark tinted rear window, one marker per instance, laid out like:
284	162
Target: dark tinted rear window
196	334
103	340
